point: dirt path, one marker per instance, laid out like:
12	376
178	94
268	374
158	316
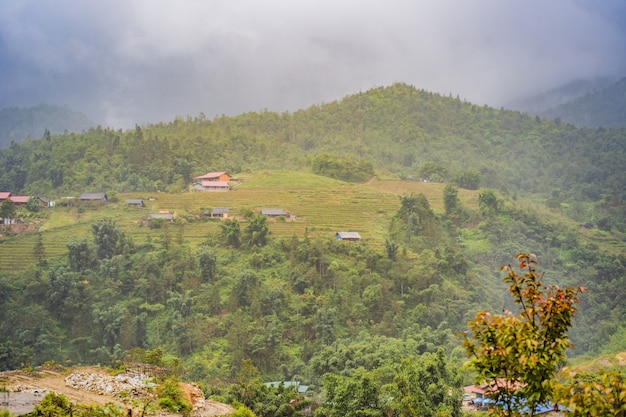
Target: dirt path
28	389
25	390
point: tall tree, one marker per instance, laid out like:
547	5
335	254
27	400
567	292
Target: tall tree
207	260
39	252
65	293
7	209
108	238
357	396
517	356
429	387
80	255
450	198
488	203
257	230
231	232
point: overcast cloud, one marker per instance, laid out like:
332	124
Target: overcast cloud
137	61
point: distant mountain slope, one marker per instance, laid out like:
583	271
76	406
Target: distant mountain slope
555	97
602	108
16	124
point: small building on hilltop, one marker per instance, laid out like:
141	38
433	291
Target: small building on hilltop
164	216
219	213
294	385
273	212
349	236
20	200
135	202
212	181
93	198
213	176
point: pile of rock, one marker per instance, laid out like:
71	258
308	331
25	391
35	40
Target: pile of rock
123	385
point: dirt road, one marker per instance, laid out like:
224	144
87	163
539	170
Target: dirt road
26	389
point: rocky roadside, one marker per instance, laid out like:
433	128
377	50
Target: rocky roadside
95	386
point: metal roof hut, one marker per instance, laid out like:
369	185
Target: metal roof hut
350	236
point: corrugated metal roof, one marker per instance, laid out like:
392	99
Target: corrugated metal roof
220	210
19	199
210	175
134	201
162	216
92	196
273	212
4	195
288	384
349	235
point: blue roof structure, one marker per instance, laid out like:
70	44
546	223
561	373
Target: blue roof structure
301	389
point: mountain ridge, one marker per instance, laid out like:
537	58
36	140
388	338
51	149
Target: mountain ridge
605	107
18	124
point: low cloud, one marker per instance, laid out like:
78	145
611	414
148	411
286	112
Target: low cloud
137	61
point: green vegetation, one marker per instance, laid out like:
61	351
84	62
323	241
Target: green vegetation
594	394
517	356
169	397
427	387
341	169
58	405
249	299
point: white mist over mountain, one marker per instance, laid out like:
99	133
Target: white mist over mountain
124	62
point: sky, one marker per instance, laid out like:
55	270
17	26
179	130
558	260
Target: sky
127	62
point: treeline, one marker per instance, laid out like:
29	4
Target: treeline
396	129
342	169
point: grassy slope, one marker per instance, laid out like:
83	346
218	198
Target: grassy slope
321	206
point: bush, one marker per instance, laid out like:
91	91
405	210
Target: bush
157	223
243	411
170	397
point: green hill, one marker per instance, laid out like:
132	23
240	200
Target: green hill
457	191
321	207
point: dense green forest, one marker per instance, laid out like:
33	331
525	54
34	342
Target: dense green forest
302	305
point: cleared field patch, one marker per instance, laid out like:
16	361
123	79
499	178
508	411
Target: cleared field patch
318	206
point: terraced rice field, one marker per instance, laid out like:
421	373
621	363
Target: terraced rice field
319	207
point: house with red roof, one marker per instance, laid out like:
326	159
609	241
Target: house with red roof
214	176
18	200
212	181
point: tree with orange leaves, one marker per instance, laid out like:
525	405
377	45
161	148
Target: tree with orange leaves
517	355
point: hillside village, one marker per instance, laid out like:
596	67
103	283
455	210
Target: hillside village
323	263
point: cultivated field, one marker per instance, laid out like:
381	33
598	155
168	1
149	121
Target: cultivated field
318	205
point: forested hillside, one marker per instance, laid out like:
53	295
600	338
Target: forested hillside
443	192
17	124
398	129
605	108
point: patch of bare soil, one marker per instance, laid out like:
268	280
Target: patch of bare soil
91	386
